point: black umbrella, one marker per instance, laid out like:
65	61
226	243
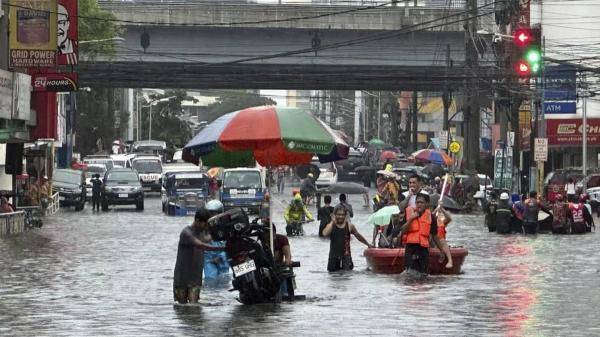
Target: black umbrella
449	203
364	168
344	187
303	170
434	170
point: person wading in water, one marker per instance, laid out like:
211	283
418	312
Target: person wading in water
339	230
187	279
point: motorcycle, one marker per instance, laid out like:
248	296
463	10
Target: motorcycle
255	275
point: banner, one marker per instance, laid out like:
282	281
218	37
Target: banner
22	96
59	82
67	32
6	89
569	131
32	40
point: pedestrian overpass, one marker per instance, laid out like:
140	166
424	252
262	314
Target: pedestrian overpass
262	46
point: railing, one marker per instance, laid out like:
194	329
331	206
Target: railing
53	205
12	223
335	3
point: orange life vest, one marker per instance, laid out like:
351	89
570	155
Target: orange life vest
419	228
441	223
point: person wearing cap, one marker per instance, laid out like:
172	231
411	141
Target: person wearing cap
308	188
295	213
44	191
503	216
216	267
96	190
560	210
193	241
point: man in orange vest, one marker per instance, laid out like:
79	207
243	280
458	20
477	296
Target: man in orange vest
421	227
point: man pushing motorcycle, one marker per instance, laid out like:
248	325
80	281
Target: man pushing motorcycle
295	214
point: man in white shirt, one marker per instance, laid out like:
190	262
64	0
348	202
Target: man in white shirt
414	188
570	190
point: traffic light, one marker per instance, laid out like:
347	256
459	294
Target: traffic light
527	56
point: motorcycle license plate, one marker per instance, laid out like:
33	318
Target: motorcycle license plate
123	195
244	268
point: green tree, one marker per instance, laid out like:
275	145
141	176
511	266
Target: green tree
234	100
167	124
98	120
96	24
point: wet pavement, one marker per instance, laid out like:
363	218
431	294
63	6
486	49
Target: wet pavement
109	274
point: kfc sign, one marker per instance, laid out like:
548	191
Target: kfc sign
570	131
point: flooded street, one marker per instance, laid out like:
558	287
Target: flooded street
111	274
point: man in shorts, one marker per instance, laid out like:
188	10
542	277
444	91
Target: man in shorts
193	241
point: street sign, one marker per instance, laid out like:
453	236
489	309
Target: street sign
510	137
444	139
541	149
454	147
559	107
503	168
560	95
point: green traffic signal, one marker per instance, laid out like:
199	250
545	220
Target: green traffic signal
533	56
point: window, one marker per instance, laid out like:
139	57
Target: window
147	166
242	179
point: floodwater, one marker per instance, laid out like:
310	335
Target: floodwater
110	274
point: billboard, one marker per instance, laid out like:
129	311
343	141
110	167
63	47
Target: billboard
22	96
67	32
32	33
6	89
569	131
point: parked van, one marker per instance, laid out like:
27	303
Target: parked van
243	187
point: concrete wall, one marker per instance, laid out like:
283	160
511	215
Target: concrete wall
285	16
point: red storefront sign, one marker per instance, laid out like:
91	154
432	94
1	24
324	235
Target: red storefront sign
67	32
54	82
569	131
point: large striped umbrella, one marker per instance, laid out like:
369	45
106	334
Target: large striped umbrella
268	135
432	156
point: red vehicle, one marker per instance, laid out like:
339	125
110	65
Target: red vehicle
555	182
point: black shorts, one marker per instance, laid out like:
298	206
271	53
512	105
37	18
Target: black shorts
340	263
416	258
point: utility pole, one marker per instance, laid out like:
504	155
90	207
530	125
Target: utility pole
415	120
357	113
447	95
471	60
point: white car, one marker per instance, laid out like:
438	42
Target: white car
89	172
328	174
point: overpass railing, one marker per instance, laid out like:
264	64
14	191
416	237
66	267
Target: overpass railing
450	4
